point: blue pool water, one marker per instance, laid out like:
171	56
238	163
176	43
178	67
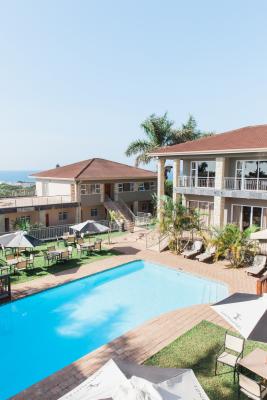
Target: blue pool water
41	334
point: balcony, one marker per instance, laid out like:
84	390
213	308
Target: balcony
198	186
258	184
25	202
247	188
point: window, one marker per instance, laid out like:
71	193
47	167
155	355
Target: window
93	212
146	186
203	173
25	219
251	174
206	210
62	216
93	188
245	216
126	187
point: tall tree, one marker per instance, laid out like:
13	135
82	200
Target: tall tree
159	132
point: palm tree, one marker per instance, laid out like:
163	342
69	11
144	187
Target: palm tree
160	132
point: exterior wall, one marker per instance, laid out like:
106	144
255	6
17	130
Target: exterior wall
97	199
39	216
86	212
54	187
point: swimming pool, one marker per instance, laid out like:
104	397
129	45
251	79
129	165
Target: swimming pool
41	334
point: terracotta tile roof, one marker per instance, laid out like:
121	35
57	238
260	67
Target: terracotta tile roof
96	169
247	138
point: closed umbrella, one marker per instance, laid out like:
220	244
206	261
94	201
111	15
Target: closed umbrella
247	313
18	240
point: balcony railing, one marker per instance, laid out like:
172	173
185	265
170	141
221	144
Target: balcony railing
191	182
253	184
22	202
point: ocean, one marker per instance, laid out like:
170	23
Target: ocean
15	176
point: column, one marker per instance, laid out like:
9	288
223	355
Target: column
135	207
102	192
219	201
161	182
78	213
176	175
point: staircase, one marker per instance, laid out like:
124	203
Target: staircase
156	241
123	212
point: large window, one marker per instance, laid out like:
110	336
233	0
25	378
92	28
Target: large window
93	188
251	174
93	212
206	210
126	187
203	173
245	216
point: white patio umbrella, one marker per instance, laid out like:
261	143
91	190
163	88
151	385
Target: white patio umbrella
90	226
259	235
122	380
247	313
19	239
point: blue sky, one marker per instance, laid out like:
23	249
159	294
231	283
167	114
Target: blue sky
78	77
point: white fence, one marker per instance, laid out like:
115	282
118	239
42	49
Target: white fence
54	232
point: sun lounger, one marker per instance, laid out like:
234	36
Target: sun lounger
258	265
195	249
207	255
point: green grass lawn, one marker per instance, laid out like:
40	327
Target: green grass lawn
196	349
41	269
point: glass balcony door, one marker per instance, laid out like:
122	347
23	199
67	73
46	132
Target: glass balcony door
245	216
251	175
203	173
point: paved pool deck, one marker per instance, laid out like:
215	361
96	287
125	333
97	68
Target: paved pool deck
143	341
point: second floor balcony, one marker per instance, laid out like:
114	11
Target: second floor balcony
230	187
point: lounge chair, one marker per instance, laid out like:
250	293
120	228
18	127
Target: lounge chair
98	244
226	356
195	249
258	265
251	388
207	255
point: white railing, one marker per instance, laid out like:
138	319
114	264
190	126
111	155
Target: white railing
142	219
191	182
34	201
57	231
245	184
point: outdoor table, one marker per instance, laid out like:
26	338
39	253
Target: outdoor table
256	362
56	253
87	245
14	261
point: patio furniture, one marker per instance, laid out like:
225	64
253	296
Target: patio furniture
225	356
98	244
207	255
49	256
64	256
21	265
51	248
88	247
255	362
70	250
258	265
79	241
251	388
30	260
194	250
70	240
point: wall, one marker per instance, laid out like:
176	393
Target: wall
86	212
55	187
